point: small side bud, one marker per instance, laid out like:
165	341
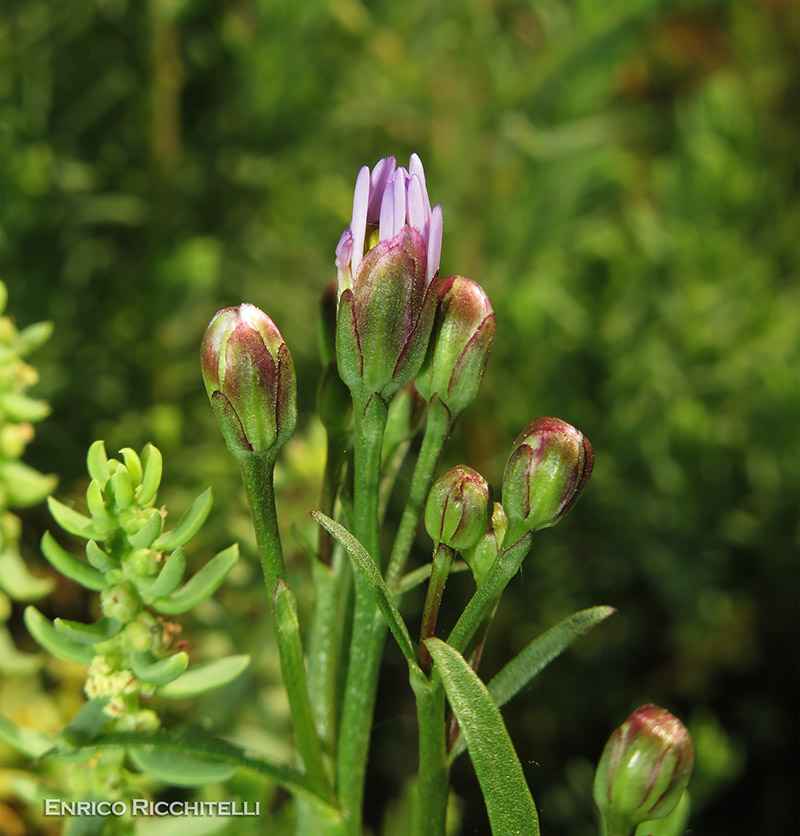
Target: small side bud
457	512
548	468
480	557
463	332
644	769
249	376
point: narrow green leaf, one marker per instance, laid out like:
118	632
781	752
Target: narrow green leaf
508	800
188	525
151	478
53	642
29	742
133	464
211	748
76	523
97	463
25	486
168	578
377	585
96	503
419	575
541	651
17	581
86	724
159	672
293	668
100	631
22	409
204	677
33	337
98	558
70	566
147	534
201	586
122	487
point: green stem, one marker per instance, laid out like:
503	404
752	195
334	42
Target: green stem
440	569
433	774
365	648
257	474
488	593
437	428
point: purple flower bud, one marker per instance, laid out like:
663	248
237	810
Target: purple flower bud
463	331
548	468
387	259
457	512
249	376
643	770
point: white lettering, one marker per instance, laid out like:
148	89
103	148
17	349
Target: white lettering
119	808
141	805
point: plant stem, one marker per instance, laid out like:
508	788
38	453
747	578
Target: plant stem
442	562
366	642
433	773
437	428
257	474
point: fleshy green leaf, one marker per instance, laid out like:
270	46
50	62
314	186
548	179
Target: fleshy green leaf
159	672
377	585
201	586
97	463
22	409
151	477
29	742
76	523
70	566
133	464
98	558
188	525
205	677
25	486
18	582
33	337
86	724
168	578
53	642
180	770
100	631
508	800
147	534
122	487
96	503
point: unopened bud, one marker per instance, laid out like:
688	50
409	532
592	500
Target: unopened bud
643	770
457	512
480	557
548	468
249	376
463	332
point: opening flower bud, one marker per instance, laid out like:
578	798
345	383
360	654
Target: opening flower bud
463	332
249	376
548	468
387	259
480	557
644	769
457	512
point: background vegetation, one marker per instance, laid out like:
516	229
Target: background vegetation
621	177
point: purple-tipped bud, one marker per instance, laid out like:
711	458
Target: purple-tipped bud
480	557
387	259
463	331
249	376
643	770
548	468
457	512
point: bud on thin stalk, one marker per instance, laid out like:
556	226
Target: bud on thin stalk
643	771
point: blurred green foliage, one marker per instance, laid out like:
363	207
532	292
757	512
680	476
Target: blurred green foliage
621	177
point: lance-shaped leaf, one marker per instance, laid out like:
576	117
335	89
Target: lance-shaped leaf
53	642
176	769
537	655
508	799
133	464
99	631
167	580
201	586
205	677
188	525
97	463
69	565
147	534
76	523
376	583
151	477
85	725
98	558
161	671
